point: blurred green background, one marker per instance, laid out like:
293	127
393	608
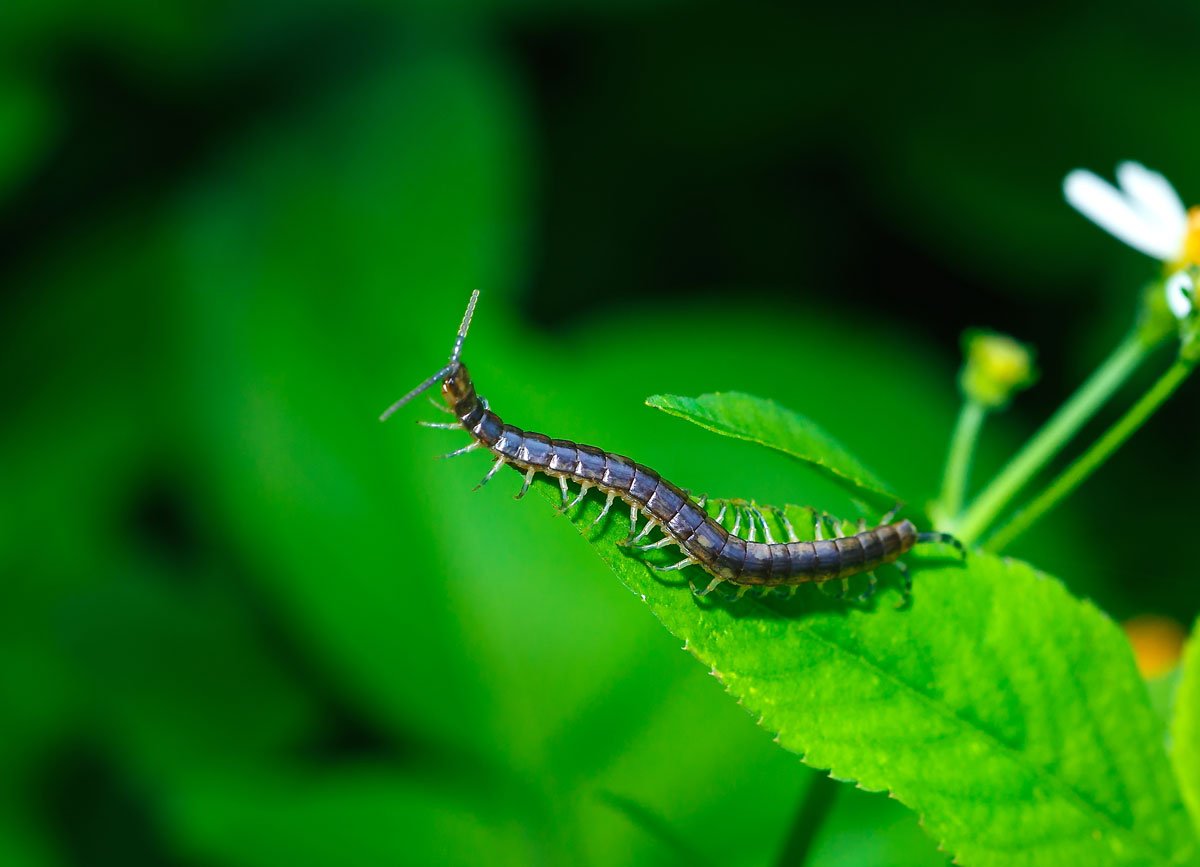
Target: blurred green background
242	623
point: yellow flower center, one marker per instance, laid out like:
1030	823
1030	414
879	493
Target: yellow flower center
1191	244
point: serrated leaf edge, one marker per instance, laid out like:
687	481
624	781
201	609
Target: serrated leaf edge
878	490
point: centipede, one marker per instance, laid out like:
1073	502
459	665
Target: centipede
733	556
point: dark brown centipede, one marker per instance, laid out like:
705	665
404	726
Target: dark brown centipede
723	554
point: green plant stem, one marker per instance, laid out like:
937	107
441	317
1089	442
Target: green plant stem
1055	434
655	826
958	461
815	804
1091	460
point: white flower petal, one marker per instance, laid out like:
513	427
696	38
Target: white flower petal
1104	205
1180	291
1153	195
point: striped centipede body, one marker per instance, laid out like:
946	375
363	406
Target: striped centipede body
703	539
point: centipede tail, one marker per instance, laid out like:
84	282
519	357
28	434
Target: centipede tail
726	555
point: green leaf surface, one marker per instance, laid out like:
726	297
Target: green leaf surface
745	417
1185	728
1009	714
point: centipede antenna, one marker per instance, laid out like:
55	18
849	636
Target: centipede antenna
462	329
429	383
459	339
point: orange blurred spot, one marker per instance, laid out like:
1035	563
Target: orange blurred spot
1157	643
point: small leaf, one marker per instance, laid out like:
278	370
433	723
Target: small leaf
1006	712
1185	730
745	417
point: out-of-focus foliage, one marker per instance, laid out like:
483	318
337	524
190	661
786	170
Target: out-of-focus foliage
1185	729
242	623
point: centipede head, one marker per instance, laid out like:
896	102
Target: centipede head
450	374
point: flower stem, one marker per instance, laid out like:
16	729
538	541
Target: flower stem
1091	460
958	461
814	807
1055	434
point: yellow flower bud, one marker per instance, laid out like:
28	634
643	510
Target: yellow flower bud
996	367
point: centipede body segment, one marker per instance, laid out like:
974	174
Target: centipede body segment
726	555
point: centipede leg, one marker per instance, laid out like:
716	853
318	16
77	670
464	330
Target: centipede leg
528	481
441	425
742	590
872	585
737	521
755	512
566	492
831	525
833	588
787	525
661	543
751	531
607	505
700	502
650	525
720	519
682	564
438	405
467	448
633	516
582	493
891	515
495	469
712	585
906	582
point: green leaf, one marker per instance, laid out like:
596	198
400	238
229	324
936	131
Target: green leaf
1185	729
745	417
1005	711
